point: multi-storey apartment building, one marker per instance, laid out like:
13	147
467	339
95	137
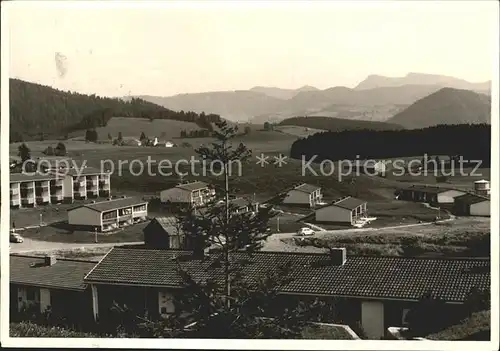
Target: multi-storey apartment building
31	189
107	215
89	183
192	194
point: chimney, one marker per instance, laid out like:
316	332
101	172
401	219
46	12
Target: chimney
338	256
50	260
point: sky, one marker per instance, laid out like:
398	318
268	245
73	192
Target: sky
144	49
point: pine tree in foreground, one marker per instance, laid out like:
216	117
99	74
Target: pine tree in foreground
231	305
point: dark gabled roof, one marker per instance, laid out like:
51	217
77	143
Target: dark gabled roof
169	224
27	177
361	276
112	204
471	199
64	274
349	203
428	189
307	188
192	186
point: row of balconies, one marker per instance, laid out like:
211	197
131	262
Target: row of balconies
123	218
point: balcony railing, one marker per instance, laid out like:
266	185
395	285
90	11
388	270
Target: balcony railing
109	220
27	200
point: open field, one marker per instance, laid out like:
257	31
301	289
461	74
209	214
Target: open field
301	132
133	127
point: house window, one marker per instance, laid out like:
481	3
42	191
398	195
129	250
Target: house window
109	215
140	208
125	211
32	294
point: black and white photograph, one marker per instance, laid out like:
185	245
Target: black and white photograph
250	174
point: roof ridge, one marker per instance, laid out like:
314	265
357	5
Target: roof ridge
304	253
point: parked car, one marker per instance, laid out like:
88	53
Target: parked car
16	238
305	231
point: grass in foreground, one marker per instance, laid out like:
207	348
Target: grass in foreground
326	332
29	329
476	327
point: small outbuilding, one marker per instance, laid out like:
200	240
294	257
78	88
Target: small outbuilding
472	205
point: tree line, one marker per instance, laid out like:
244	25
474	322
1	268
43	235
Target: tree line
471	141
38	112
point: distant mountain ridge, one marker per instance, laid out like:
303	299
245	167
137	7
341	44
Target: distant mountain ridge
376	81
446	106
280	93
376	98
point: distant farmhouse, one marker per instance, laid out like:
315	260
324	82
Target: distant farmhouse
108	215
190	194
472	205
304	194
347	210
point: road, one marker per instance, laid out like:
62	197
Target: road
273	243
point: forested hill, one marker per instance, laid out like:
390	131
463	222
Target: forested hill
40	111
337	124
472	141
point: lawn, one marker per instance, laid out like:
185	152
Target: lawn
59	232
476	327
467	237
326	332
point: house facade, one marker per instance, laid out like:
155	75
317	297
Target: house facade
33	189
384	290
472	205
192	194
42	284
89	183
57	186
429	194
347	210
109	214
164	233
304	194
